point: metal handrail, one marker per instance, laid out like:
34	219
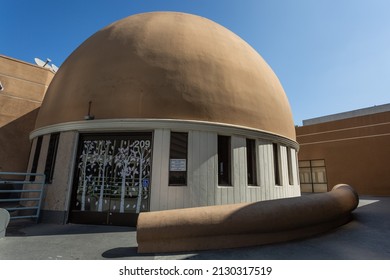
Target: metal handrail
14	205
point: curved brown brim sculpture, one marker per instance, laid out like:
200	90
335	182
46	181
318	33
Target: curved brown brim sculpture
245	224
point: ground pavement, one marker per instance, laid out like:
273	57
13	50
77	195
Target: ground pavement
366	237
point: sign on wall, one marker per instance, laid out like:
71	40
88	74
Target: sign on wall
178	165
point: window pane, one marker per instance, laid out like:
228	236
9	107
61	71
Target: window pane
319	174
289	166
305	175
37	152
304	163
178	159
320	188
251	161
306	187
276	164
224	161
313	177
318	162
51	157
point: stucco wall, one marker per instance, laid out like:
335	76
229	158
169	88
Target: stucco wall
356	151
194	67
24	86
15	144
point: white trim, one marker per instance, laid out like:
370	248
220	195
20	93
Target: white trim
148	124
24	80
343	129
22	98
344	139
348	115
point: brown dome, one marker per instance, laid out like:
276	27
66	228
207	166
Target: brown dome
166	65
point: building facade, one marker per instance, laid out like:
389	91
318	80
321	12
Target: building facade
22	89
351	147
162	111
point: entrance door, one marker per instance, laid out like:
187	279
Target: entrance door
112	178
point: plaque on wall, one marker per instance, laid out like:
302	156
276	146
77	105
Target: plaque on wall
178	165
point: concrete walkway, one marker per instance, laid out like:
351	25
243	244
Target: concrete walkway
366	237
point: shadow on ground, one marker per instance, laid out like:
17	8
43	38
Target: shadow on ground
366	237
31	228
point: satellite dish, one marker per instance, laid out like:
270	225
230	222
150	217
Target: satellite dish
41	63
55	68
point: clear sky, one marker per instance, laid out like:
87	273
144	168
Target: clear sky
331	56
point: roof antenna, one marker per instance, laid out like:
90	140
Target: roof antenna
89	116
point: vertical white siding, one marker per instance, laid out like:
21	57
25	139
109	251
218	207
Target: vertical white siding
294	167
59	192
194	157
265	169
240	177
202	173
295	173
159	181
282	190
212	168
202	157
56	195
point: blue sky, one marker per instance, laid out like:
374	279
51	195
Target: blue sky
331	56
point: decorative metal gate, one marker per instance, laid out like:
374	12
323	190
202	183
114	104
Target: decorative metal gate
112	178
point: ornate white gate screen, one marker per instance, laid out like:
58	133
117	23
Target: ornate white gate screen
113	173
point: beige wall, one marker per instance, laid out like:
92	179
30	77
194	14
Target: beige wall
356	151
14	143
24	86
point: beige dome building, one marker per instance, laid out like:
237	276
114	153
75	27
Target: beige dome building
162	111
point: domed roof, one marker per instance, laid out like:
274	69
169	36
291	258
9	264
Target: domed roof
168	65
